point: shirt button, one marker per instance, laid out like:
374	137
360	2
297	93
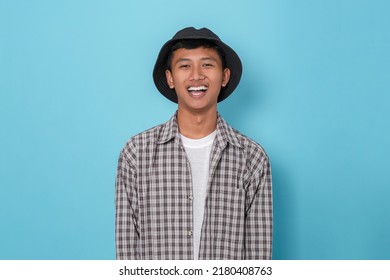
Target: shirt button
190	198
190	233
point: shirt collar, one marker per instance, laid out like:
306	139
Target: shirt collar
169	130
225	134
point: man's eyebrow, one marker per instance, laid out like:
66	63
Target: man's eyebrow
184	59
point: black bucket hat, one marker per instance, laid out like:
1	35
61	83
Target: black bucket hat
233	62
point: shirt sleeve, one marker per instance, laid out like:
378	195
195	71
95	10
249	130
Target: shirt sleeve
126	204
259	215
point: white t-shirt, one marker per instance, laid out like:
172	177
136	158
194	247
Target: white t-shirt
198	152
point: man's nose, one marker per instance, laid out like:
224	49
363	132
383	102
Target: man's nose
197	73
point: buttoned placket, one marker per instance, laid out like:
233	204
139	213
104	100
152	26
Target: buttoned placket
215	156
189	196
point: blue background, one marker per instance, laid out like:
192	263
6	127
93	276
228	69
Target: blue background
75	84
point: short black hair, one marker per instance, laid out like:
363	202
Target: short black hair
191	44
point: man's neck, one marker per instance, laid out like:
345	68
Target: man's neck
196	125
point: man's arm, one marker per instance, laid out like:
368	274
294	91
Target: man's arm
126	202
258	236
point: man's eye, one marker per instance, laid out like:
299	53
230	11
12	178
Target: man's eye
184	66
207	65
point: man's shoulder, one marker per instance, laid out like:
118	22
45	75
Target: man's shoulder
245	141
253	149
139	142
146	137
256	157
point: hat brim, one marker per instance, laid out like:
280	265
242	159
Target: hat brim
233	62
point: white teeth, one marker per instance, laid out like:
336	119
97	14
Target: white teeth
200	88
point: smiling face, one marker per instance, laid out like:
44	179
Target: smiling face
197	76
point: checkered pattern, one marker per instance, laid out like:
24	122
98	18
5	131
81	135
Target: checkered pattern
154	198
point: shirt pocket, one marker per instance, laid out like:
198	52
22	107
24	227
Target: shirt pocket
243	180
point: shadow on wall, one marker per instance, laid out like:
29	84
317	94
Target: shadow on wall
285	239
242	104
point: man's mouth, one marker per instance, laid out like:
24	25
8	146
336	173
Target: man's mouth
198	90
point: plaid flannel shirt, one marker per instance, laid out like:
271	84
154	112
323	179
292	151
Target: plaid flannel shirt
154	198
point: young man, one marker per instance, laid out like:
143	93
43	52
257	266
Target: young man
193	187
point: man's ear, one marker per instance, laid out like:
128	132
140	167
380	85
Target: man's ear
226	77
168	75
